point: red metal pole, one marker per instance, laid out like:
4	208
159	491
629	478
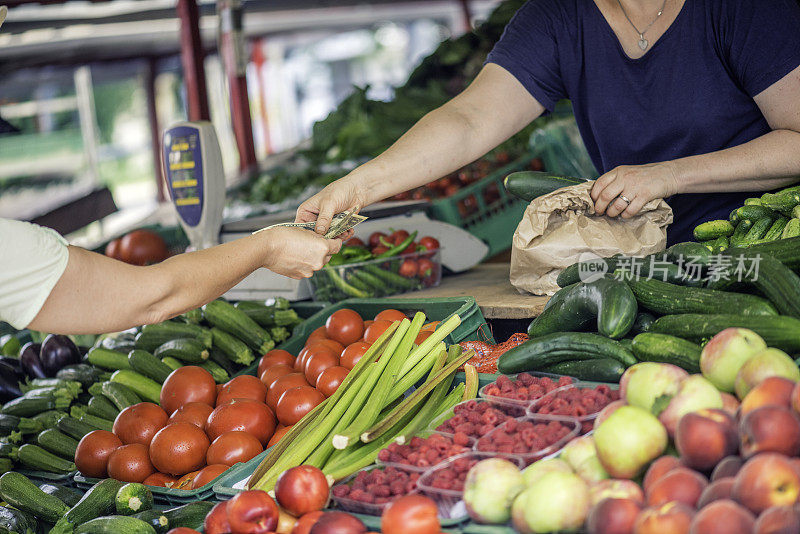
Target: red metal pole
465	9
155	131
194	73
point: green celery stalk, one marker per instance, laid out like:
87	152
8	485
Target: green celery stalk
426	346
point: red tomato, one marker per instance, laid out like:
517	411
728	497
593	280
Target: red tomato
302	489
185	482
375	239
409	268
179	448
242	414
300	362
422	336
139	423
273	373
91	456
377	251
318	362
142	247
305	522
189	383
345	326
330	379
252	512
410	513
112	249
353	353
335	346
339	523
426	267
161	480
354	242
433	325
429	243
274	357
233	447
279	433
398	236
296	403
130	463
390	315
216	522
319	333
207	474
195	413
280	385
375	331
242	387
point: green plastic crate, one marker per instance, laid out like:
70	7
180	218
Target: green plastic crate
45	477
165	495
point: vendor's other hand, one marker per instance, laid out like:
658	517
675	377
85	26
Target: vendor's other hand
638	183
337	197
297	253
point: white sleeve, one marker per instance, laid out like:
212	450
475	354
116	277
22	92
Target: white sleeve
32	259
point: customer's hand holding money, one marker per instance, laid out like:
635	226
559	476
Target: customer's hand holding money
341	226
340	196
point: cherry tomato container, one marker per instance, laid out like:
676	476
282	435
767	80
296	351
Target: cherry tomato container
582	401
522	401
530	445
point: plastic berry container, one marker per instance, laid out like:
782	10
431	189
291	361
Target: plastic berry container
499	414
524	389
359	506
569	401
467	445
450	501
530	438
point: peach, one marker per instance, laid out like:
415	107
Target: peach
730	403
613	488
705	437
660	467
766	480
795	397
767	363
671	518
726	353
680	484
723	517
719	489
613	516
770	429
728	467
778	520
772	391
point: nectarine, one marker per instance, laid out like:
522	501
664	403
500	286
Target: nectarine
721	488
671	518
766	480
705	437
778	520
723	517
770	429
773	391
681	484
728	467
660	467
613	516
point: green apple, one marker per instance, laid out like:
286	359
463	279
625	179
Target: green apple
490	489
591	470
628	440
556	502
694	393
767	363
643	384
537	469
726	353
578	450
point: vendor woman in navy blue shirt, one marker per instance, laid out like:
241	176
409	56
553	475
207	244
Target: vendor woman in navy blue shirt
695	101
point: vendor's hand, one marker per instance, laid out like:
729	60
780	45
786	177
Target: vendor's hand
296	252
341	195
638	183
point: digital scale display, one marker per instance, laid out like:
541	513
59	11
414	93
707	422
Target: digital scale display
184	165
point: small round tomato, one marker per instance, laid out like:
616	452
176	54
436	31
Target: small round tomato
112	249
319	333
353	353
375	331
142	247
207	474
354	242
330	379
345	326
195	413
216	522
252	512
179	448
317	363
390	315
242	414
377	251
398	236
161	480
409	268
233	447
296	403
91	456
271	374
279	433
375	239
429	243
302	489
411	513
242	387
189	383
139	423
426	268
130	463
306	521
283	383
335	346
274	357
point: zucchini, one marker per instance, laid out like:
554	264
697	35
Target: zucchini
194	316
189	515
185	350
665	298
120	395
779	331
155	519
220	375
217	356
15	521
601	370
528	185
8	424
22	494
144	387
148	365
606	304
172	363
36	458
73	427
233	348
68	496
100	406
538	353
98	501
132	498
776	229
55	441
757	231
28	406
97	422
153	336
114	524
267	316
792	228
227	318
713	230
79	372
107	359
663	348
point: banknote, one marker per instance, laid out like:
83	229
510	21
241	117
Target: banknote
340	223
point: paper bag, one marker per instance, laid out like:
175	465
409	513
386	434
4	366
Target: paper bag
560	228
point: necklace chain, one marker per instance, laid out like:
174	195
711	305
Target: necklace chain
642	41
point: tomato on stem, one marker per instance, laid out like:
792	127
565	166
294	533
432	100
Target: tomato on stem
429	243
252	512
398	236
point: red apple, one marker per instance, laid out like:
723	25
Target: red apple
778	520
770	429
705	437
723	517
660	467
719	489
613	516
773	391
767	479
694	394
681	485
671	518
728	467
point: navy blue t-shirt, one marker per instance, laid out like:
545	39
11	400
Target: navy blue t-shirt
691	93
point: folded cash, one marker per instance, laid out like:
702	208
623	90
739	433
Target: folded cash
341	223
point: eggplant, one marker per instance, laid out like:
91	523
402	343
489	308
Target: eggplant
14	365
9	388
58	351
30	362
11	372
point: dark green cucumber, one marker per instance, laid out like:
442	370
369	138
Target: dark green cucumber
663	348
757	231
57	442
100	406
751	212
68	496
36	458
189	515
185	350
153	336
235	349
779	331
148	365
792	229
786	250
120	395
225	316
18	491
132	498
642	323
605	304
538	353
782	201
114	524
528	185
98	501
74	428
572	274
601	370
155	519
776	229
713	229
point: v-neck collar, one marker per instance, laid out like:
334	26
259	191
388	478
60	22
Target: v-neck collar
610	31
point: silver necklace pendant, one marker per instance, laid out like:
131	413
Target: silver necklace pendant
643	42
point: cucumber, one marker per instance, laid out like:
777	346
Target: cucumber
55	441
642	323
98	501
36	458
742	227
757	231
68	496
785	250
155	519
100	406
779	331
189	515
74	428
107	359
713	230
144	387
153	336
132	498
233	348
776	229
115	524
541	352
194	316
662	348
751	212
528	185
120	395
782	201
227	318
185	350
752	201
21	493
792	228
148	365
600	370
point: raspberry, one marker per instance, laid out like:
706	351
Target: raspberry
461	438
398	487
341	490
